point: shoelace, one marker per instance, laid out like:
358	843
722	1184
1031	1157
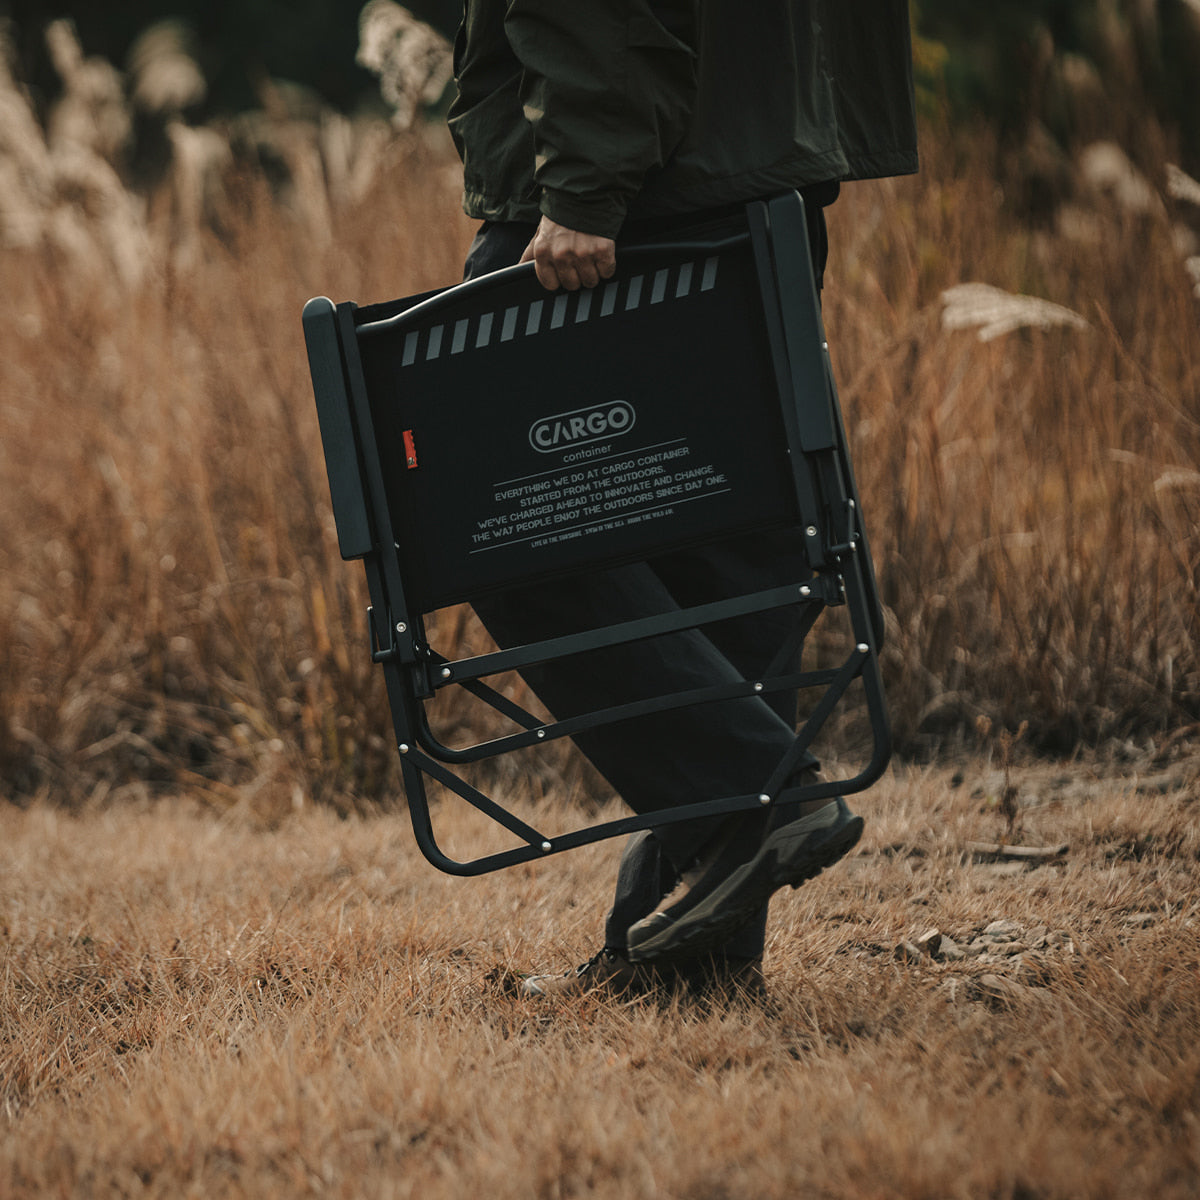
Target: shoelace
601	955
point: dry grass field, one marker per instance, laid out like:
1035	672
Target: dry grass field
202	1005
225	971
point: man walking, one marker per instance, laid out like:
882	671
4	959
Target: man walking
580	123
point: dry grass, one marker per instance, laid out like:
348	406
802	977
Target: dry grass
235	991
172	607
1034	496
194	1005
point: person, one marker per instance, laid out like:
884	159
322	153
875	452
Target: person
583	124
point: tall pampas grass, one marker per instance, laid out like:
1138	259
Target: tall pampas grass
172	605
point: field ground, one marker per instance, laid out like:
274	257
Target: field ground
206	1004
233	992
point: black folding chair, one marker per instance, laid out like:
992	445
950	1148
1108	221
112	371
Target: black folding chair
705	407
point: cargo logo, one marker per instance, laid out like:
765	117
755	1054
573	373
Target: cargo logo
583	425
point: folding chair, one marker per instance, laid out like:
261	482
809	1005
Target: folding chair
706	408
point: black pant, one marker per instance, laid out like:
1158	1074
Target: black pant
679	757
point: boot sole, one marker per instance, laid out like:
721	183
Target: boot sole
787	858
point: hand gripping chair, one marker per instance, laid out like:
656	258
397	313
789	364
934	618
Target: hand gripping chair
706	406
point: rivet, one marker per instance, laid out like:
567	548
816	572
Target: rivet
758	687
806	590
863	647
764	798
401	627
546	847
445	672
403	747
811	531
852	504
541	733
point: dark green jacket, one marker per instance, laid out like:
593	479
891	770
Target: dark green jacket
591	111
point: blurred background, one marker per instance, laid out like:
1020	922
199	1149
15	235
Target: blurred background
1015	332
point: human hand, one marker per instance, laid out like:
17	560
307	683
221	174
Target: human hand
566	258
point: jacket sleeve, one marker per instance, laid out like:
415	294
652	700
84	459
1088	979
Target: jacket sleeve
607	88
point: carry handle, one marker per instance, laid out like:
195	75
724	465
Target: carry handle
525	270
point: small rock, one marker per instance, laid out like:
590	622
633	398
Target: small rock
1009	949
929	941
907	952
1003	931
949	950
939	946
1000	987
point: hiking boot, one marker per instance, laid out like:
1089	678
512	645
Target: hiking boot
731	880
719	978
609	969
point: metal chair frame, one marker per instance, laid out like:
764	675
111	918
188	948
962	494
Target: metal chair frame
361	360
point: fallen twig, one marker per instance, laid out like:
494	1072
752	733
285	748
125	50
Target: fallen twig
1002	850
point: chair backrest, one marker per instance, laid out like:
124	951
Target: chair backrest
528	433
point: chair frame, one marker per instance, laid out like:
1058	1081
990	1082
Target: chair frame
816	461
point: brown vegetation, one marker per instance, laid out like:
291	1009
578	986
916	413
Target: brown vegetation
1034	495
194	1005
172	607
232	991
